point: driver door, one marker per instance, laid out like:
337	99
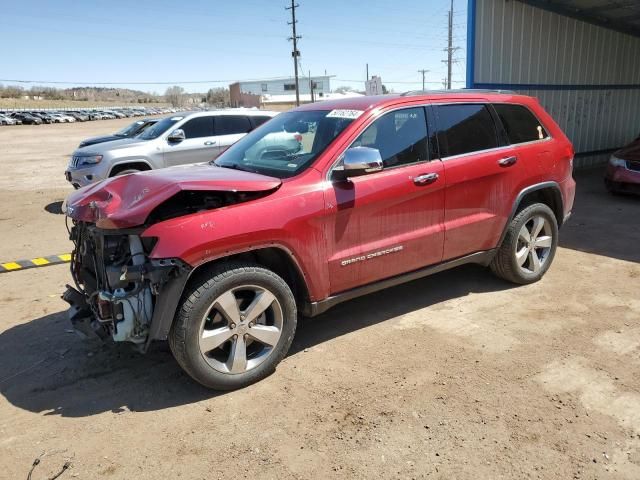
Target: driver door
198	146
389	222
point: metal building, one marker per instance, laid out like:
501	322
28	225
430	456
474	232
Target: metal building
580	58
285	85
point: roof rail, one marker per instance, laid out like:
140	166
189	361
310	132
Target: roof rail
455	90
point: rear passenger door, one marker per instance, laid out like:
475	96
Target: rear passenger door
482	172
228	130
198	145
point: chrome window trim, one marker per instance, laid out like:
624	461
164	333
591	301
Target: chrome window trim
395	109
488	150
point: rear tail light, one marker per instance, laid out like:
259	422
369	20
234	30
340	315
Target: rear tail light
298	137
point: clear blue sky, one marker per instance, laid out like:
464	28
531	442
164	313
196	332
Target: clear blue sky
166	41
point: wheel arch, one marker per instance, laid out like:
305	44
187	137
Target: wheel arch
133	163
548	193
275	258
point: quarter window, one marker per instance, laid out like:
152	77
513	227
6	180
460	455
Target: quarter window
198	127
465	128
232	124
400	136
519	123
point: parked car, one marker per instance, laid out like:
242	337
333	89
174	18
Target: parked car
175	140
5	120
26	118
129	131
221	258
623	170
80	117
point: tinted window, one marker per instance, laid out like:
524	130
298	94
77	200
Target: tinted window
198	127
464	129
401	137
257	121
520	124
230	124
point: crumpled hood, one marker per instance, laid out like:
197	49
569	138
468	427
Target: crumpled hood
127	201
630	152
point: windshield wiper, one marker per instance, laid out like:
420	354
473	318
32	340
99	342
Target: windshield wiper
233	166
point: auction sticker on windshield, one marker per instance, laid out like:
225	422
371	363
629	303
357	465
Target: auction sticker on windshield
344	113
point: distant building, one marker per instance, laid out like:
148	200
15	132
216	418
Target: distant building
250	93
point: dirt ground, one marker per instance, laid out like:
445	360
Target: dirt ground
459	375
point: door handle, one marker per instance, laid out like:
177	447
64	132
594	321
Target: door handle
209	143
425	179
507	162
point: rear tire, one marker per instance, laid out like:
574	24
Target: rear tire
234	325
529	246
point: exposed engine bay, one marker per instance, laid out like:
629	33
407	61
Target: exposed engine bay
116	284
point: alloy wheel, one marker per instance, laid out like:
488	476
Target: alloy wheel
534	244
241	329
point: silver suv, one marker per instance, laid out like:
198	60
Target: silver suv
179	139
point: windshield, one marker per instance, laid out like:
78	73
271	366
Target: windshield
129	129
154	131
285	145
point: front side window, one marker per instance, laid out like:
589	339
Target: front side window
154	131
286	145
400	136
231	124
519	123
198	127
465	128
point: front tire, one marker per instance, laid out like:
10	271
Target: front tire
234	325
529	246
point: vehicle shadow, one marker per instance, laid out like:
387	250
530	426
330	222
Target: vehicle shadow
602	223
47	369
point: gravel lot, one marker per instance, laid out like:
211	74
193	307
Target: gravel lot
458	375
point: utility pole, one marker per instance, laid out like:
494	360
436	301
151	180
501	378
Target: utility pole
423	72
367	72
295	53
311	87
450	48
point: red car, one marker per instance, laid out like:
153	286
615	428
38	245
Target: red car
623	169
221	258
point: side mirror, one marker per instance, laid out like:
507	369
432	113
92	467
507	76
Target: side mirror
359	161
176	136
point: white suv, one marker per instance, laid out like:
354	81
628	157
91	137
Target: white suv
176	140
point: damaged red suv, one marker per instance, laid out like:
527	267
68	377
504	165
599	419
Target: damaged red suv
222	258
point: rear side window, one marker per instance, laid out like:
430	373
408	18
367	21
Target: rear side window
198	127
257	121
465	128
232	124
519	123
400	136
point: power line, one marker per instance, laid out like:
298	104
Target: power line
295	53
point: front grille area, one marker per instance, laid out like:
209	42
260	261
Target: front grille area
635	166
74	162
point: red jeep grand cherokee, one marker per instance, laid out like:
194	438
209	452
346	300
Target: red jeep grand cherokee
222	258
